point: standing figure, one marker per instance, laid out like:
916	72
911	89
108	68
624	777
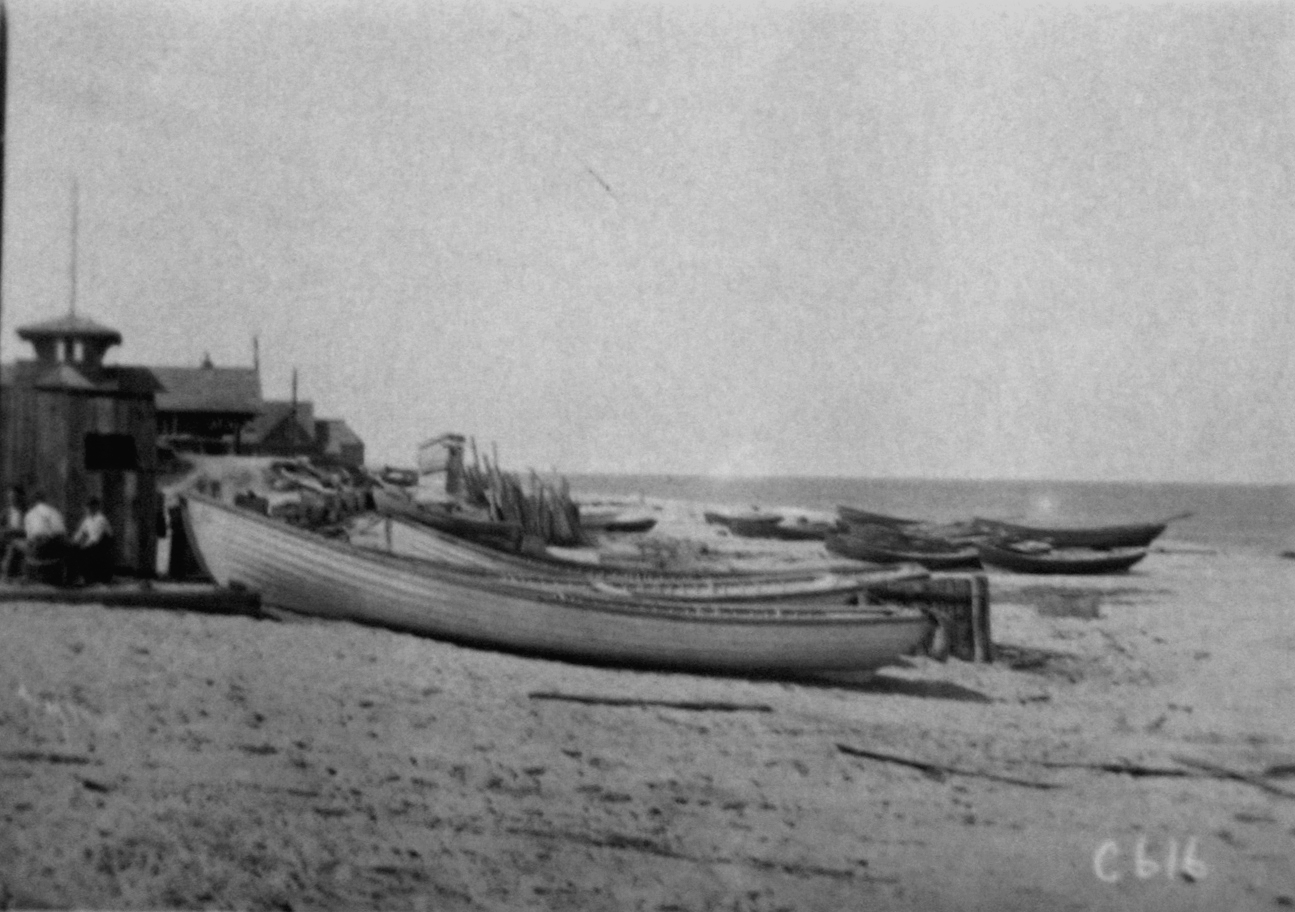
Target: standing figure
15	536
92	550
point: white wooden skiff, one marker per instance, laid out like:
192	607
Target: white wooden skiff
308	574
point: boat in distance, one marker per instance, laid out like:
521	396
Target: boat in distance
614	519
1129	535
931	555
784	529
1081	561
308	574
720	518
630	524
853	515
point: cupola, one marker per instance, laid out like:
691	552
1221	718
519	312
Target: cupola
70	339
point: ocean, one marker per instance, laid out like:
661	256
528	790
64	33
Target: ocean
1258	518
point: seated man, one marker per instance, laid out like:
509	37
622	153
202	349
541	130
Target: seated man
92	552
46	538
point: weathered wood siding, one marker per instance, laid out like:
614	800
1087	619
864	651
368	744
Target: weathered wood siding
44	447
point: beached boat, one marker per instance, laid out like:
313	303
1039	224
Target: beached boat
752	518
1038	557
805	529
497	533
854	515
929	553
393	535
305	573
783	529
615	521
1130	535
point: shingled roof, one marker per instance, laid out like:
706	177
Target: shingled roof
235	390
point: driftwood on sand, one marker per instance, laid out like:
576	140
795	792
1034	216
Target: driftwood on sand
940	770
693	705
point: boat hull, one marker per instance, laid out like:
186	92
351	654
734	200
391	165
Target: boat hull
504	534
307	574
858	548
853	515
1135	535
643	524
746	520
1051	562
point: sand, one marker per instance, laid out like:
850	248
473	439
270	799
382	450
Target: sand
162	759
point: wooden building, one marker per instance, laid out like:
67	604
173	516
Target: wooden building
283	428
75	428
338	443
288	428
204	409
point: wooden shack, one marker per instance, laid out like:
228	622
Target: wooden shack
203	409
75	428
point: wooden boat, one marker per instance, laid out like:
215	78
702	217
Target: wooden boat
499	534
393	535
853	515
1132	535
804	529
306	573
1037	557
801	529
744	520
931	554
615	521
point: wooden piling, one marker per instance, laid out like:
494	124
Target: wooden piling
960	604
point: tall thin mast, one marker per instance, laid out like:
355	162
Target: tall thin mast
72	252
4	101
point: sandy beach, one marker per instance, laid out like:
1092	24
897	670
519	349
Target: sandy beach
1139	759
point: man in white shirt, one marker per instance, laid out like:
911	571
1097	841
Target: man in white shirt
92	554
46	545
43	523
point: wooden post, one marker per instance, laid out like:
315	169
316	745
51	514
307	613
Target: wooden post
960	604
984	644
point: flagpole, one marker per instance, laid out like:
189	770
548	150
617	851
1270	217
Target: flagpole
72	252
4	102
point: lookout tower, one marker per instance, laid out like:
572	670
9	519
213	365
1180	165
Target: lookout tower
74	428
70	339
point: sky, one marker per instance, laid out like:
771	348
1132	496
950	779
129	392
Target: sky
801	238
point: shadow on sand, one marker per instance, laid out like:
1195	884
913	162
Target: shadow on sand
882	683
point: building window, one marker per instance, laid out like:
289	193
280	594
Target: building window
110	452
